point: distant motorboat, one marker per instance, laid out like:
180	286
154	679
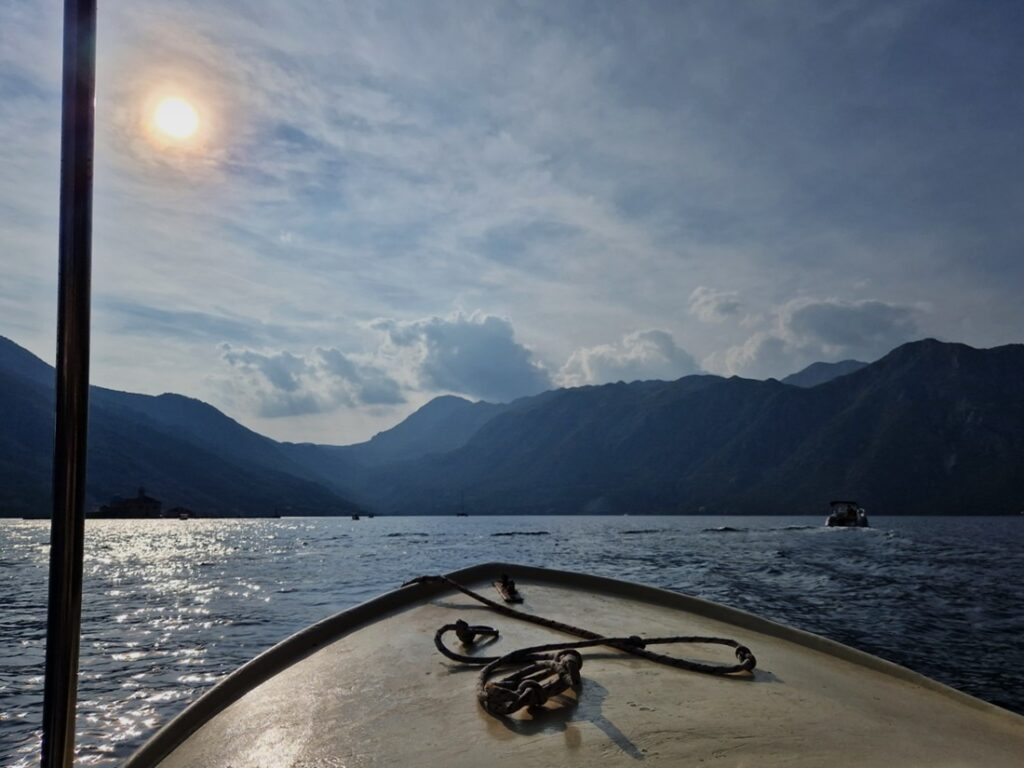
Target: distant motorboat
355	517
846	514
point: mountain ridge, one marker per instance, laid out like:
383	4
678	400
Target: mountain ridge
903	434
931	427
820	373
182	450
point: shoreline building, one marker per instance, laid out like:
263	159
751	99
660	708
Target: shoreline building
142	506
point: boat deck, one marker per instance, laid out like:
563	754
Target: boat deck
368	688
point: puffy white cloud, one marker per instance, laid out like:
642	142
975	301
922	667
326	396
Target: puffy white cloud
762	355
804	331
650	354
713	306
475	355
284	384
870	328
370	384
362	161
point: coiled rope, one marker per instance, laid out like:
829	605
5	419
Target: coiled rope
543	671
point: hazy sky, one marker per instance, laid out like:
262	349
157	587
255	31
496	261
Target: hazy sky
389	201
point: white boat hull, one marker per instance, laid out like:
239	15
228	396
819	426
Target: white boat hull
368	688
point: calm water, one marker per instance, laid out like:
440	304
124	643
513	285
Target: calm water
172	606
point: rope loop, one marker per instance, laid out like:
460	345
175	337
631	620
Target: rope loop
539	678
531	694
540	672
467	634
571	660
747	660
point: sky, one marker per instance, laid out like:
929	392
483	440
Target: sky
386	202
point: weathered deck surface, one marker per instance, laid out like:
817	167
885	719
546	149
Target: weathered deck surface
380	695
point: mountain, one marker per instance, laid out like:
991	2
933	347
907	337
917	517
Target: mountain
819	373
19	361
26	444
443	424
183	451
930	428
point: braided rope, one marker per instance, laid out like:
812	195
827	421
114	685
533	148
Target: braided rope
543	671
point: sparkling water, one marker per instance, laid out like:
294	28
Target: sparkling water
171	606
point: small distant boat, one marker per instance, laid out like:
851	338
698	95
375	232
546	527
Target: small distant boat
355	517
181	513
846	514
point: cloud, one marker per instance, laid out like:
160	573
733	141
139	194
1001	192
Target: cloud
133	318
762	355
370	384
868	327
712	306
650	354
475	355
804	331
406	362
364	161
279	384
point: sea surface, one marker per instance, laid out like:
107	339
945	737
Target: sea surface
172	606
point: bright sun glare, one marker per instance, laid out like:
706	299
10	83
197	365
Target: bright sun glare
176	118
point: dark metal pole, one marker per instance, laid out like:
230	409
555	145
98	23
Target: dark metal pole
72	389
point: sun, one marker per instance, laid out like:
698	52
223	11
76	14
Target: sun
176	118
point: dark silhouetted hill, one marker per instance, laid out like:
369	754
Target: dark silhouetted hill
931	428
443	424
183	451
818	373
